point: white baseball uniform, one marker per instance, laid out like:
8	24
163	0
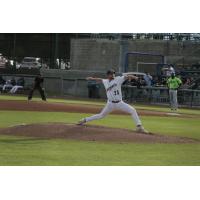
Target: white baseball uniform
115	102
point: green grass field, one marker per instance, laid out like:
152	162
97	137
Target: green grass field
34	151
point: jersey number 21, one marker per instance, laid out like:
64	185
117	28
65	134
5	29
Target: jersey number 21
116	92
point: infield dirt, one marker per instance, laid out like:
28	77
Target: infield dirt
86	132
89	133
71	108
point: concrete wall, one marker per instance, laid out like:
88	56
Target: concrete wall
102	54
92	57
72	82
95	55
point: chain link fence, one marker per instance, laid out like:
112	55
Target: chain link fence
160	95
60	86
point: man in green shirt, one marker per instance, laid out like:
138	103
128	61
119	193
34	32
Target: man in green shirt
173	83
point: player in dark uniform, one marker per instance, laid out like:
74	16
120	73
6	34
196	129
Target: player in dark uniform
37	86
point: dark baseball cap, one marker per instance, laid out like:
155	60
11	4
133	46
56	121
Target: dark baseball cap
110	71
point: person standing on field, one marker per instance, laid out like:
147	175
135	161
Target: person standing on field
148	79
114	95
173	83
38	86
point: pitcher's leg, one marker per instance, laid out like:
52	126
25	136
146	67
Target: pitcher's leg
106	110
129	109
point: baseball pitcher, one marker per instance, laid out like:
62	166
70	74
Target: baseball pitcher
114	95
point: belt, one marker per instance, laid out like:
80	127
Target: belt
173	88
115	101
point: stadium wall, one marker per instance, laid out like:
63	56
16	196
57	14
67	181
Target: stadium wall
101	54
72	82
92	57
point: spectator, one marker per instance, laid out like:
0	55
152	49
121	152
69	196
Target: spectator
168	71
139	83
148	79
9	84
19	85
132	82
171	70
186	84
154	81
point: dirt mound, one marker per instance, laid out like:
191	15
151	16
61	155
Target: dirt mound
63	107
89	133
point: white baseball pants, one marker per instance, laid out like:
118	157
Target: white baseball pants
7	86
15	88
173	99
122	106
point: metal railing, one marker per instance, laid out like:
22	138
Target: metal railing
56	85
160	95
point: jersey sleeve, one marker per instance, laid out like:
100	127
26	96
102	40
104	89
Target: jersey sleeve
120	79
104	82
179	81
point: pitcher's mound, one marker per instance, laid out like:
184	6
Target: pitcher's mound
89	133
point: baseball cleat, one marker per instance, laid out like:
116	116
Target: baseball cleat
81	122
140	129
